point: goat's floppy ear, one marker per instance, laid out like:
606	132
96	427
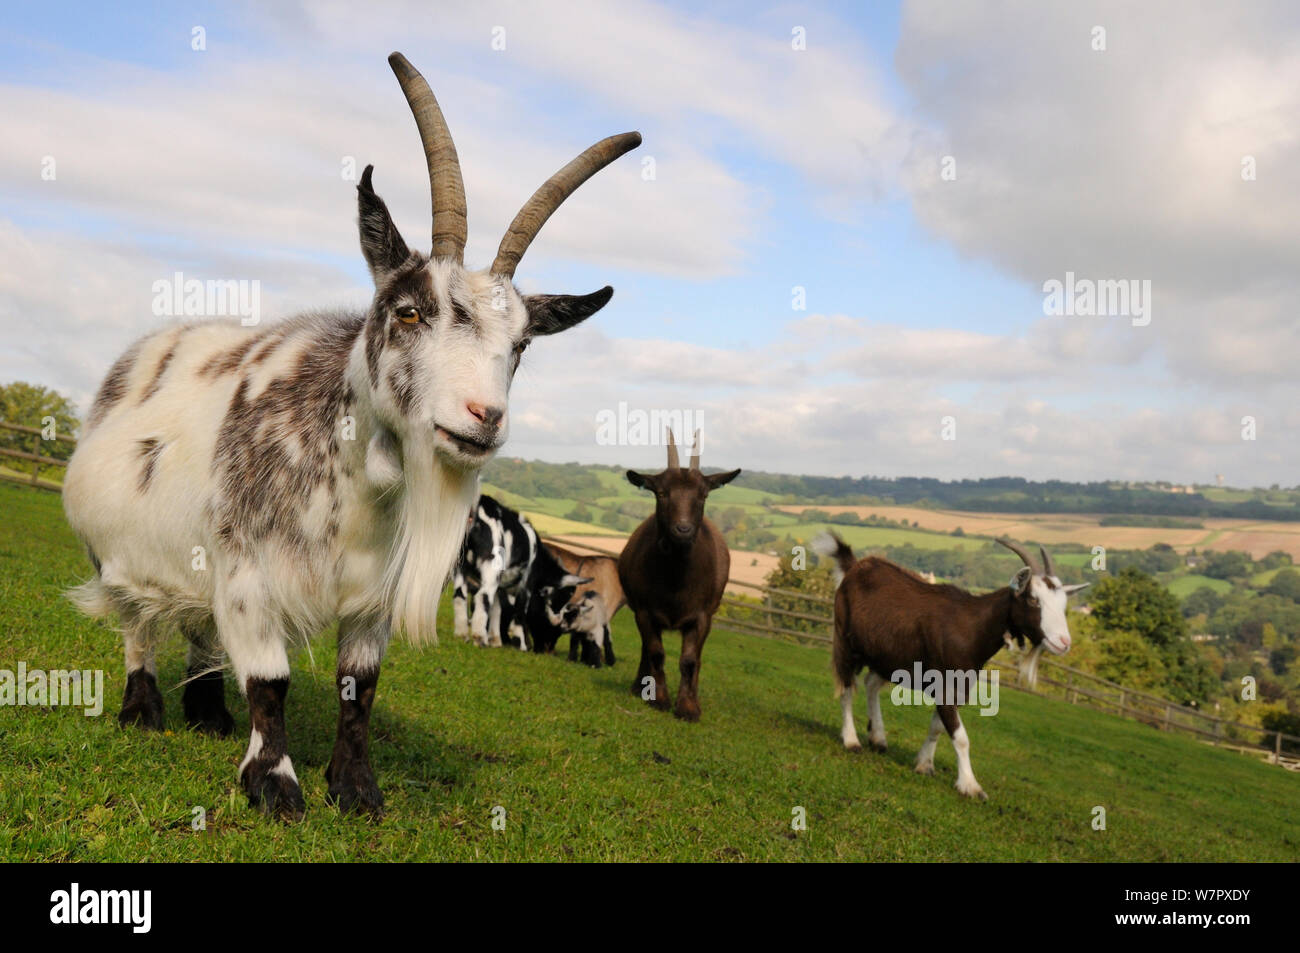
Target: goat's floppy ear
715	480
550	314
642	480
571	581
1021	579
381	243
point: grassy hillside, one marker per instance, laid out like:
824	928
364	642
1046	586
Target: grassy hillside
584	771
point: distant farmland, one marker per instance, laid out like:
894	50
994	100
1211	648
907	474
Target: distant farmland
1252	536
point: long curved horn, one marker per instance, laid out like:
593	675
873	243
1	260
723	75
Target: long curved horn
446	187
555	190
1048	568
673	462
695	452
1019	551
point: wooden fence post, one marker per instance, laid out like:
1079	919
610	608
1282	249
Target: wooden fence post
1168	715
1277	747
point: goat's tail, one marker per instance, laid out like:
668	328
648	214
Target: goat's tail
828	544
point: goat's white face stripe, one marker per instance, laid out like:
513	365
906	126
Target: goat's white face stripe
1051	609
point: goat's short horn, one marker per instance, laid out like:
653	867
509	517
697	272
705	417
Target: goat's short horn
674	462
553	192
1048	568
446	187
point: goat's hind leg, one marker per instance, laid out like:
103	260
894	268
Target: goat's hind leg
876	726
352	785
142	702
925	757
204	698
848	731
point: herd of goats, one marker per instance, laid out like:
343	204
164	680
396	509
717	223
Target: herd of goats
248	487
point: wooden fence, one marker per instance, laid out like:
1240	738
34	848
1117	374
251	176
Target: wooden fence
34	457
761	617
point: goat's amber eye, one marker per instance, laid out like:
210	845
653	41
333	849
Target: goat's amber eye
408	315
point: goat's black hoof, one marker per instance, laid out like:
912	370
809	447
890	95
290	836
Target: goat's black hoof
218	724
878	746
204	701
926	769
687	711
277	794
354	790
142	703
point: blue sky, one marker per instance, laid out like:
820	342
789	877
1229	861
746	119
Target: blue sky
774	168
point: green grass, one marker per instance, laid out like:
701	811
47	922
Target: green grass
1183	586
583	769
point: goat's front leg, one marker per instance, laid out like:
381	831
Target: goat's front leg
966	782
876	726
652	662
362	643
609	645
688	692
252	636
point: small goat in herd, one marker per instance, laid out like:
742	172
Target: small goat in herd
888	620
251	485
674	570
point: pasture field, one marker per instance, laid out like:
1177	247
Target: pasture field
1253	536
583	770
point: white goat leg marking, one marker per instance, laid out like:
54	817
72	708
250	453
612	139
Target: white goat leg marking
925	757
254	749
848	732
876	730
966	782
139	651
460	612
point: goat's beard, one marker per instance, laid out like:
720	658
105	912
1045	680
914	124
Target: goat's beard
435	509
1029	667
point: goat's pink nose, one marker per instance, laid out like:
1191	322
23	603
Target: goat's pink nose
491	416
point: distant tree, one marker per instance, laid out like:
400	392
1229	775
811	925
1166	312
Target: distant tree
1202	600
29	405
1134	602
1286	583
1275	560
580	514
1232	564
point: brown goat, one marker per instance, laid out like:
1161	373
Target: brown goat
674	570
603	572
893	623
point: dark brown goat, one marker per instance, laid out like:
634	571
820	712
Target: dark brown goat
674	570
894	624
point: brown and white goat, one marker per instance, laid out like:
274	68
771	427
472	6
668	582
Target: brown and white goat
251	485
602	597
674	570
892	622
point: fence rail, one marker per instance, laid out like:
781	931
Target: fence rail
37	458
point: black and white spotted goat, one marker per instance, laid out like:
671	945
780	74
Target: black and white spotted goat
510	590
251	485
490	593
